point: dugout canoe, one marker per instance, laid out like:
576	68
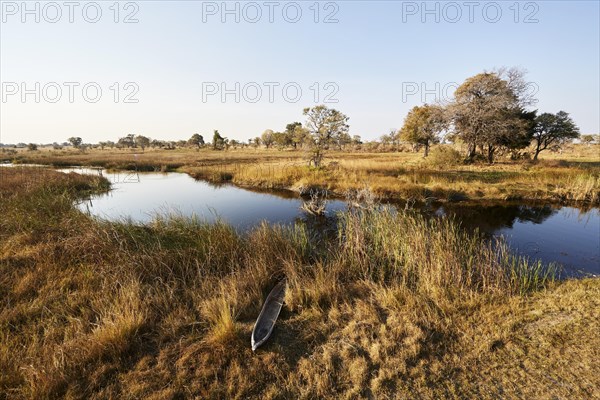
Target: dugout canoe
268	316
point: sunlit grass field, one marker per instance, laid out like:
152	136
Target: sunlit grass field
571	176
393	306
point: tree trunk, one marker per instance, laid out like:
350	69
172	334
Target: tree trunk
490	154
538	149
471	152
426	149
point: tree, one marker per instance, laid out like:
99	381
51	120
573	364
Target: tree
587	139
127	141
520	135
32	147
290	130
396	138
385	140
75	141
423	126
553	130
356	140
157	143
142	141
254	142
325	125
282	139
219	142
196	140
300	136
342	140
488	111
267	138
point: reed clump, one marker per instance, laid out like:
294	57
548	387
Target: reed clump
394	305
433	256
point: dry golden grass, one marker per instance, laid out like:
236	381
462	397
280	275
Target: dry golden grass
573	176
394	307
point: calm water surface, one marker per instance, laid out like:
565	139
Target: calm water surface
567	235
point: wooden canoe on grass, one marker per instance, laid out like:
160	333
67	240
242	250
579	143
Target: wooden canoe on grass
268	316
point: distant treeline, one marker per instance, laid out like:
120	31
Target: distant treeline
491	114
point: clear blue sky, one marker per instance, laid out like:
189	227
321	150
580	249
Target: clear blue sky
372	52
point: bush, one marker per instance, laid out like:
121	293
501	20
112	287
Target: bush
443	156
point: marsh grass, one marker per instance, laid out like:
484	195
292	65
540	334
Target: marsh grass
572	176
432	255
397	305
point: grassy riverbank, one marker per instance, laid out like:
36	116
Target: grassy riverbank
396	306
573	176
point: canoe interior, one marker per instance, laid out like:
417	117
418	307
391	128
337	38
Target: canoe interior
268	316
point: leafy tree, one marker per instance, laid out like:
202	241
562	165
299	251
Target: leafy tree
587	139
282	139
423	125
553	130
300	136
290	130
267	138
75	141
390	139
487	111
342	140
158	143
32	147
142	141
519	136
196	140
219	142
325	125
127	141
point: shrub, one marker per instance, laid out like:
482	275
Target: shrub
443	156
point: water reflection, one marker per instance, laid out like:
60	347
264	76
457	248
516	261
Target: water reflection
140	197
490	218
566	235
